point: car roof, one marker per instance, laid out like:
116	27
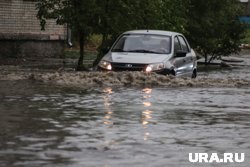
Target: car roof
153	32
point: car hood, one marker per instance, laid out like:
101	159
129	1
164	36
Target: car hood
142	58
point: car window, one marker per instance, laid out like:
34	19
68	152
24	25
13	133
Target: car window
133	43
120	44
143	43
177	45
183	43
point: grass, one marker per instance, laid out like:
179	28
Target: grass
89	56
246	40
92	43
74	54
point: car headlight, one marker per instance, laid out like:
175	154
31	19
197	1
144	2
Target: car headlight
154	67
105	65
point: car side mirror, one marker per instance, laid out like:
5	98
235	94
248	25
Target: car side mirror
180	53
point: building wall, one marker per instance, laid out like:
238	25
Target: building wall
20	31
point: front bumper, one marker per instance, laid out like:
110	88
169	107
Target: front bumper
141	68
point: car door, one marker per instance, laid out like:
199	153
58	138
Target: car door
187	66
178	61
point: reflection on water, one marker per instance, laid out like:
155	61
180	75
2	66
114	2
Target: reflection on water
47	127
147	114
107	105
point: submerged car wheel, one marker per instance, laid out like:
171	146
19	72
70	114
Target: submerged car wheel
194	75
170	72
173	72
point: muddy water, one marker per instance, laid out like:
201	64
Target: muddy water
43	126
52	120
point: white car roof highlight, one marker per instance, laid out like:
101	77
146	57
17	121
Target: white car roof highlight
153	32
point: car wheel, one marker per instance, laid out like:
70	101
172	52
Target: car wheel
194	74
172	72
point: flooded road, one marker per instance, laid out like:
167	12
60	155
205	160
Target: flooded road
120	127
45	125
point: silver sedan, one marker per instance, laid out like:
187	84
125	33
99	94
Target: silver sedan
162	52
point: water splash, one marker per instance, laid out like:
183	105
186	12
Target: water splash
134	79
118	79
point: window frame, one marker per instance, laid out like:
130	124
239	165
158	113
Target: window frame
176	37
186	43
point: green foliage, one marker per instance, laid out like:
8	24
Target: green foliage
117	16
246	40
214	28
80	15
74	54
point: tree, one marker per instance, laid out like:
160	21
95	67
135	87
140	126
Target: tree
123	15
79	15
112	17
214	28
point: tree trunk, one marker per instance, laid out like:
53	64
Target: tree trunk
80	66
206	59
212	58
101	48
104	33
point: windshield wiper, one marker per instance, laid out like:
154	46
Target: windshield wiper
143	51
118	50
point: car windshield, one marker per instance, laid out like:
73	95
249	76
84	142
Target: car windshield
143	43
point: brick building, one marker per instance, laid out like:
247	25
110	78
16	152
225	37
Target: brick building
21	35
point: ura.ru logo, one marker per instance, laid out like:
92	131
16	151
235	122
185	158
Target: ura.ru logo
215	158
